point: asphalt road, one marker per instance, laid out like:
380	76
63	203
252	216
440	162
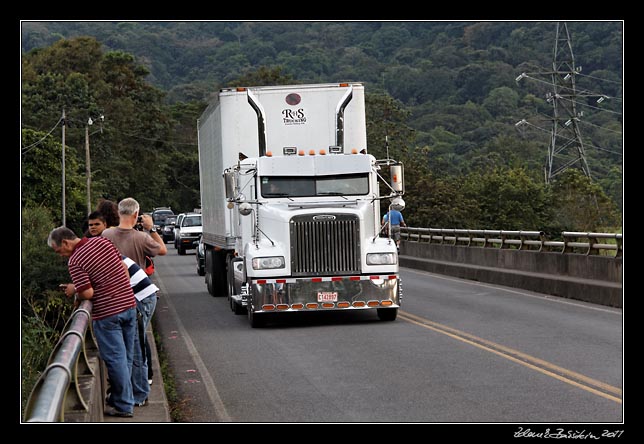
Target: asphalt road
459	352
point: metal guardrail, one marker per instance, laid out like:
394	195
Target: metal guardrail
521	240
58	388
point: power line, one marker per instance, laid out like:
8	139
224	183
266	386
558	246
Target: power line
27	148
566	146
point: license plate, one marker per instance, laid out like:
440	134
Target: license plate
327	296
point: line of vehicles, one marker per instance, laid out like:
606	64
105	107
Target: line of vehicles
183	229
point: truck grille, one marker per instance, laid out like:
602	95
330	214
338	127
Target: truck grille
325	244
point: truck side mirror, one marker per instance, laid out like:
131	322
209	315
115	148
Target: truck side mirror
230	184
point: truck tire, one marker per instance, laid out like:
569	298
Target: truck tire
233	288
387	314
216	279
181	250
208	270
209	273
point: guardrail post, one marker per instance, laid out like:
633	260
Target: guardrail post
592	248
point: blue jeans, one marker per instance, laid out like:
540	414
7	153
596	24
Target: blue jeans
115	338
140	385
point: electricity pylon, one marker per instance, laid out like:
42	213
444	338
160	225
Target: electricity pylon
566	148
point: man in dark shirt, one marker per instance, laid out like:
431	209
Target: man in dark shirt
99	274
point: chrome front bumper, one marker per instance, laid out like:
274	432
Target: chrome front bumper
327	293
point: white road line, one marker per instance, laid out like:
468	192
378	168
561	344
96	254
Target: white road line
211	388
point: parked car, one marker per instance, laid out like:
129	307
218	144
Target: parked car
189	233
168	229
201	258
177	229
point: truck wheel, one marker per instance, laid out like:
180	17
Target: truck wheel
218	271
208	279
208	269
238	309
387	314
181	251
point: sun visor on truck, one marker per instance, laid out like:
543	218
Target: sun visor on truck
317	165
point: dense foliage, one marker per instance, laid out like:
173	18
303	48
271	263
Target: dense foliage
453	82
441	97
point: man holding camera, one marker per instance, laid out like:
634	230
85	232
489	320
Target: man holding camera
136	238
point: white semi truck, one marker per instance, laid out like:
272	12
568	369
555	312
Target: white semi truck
290	203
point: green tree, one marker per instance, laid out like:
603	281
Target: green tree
581	205
501	102
44	308
508	199
41	178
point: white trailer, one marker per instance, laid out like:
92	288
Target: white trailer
291	202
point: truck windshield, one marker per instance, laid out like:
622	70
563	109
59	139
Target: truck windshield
307	186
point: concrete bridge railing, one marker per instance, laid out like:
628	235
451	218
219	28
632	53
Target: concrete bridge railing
584	266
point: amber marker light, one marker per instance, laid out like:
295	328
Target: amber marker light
268	307
386	303
311	305
343	305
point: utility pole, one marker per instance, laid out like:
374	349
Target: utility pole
88	170
566	147
63	174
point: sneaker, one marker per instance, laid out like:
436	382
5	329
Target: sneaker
141	404
150	381
118	413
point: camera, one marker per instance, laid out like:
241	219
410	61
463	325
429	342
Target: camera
139	224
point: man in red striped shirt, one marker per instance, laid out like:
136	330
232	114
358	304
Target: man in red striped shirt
99	274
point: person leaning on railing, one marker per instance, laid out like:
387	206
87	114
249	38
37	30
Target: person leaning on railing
98	273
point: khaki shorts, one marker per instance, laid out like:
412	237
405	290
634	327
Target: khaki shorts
395	232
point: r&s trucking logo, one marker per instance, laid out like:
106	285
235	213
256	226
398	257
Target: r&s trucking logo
292	116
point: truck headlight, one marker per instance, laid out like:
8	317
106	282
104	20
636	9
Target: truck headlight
381	258
267	263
